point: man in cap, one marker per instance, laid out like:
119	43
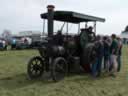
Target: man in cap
86	36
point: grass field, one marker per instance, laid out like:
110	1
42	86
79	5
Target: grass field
14	82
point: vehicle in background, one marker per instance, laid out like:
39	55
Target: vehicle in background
3	44
21	43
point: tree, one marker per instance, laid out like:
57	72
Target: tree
7	35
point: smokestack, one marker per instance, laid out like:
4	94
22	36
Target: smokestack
50	9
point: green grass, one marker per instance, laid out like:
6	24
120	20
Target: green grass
14	82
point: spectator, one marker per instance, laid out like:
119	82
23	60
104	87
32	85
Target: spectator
107	44
96	67
114	53
120	45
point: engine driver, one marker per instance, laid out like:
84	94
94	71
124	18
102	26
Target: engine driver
86	36
58	39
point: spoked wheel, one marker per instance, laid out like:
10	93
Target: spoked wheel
35	67
59	69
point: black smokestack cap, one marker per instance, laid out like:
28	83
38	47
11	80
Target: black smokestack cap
50	7
50	17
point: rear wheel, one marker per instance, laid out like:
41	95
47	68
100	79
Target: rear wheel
90	53
88	57
59	69
35	67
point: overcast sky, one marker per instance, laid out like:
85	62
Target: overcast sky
20	15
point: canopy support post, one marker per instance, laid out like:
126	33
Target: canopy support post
79	28
86	25
67	28
43	27
95	26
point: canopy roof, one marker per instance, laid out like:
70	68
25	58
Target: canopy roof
72	17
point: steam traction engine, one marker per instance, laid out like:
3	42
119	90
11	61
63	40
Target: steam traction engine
58	53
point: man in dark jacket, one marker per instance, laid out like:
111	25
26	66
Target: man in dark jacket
86	36
99	48
120	45
107	43
114	53
58	38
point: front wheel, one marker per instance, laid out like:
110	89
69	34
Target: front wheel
59	69
35	67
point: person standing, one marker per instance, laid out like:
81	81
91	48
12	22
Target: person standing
120	45
107	44
114	53
99	48
86	36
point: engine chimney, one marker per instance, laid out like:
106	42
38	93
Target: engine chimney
50	9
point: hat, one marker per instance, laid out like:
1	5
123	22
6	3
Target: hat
90	27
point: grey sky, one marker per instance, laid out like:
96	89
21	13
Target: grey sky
20	15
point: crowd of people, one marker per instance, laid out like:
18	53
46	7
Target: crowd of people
108	55
107	52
